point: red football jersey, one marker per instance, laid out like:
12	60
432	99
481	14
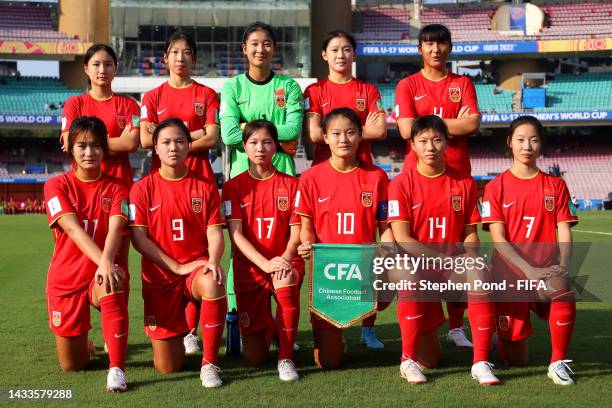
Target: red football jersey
177	214
196	105
530	209
93	203
116	112
345	207
418	96
265	208
437	208
324	96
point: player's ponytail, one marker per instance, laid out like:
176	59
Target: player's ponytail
347	113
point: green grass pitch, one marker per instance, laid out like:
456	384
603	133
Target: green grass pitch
368	378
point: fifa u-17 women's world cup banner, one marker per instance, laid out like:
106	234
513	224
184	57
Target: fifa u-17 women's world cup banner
340	283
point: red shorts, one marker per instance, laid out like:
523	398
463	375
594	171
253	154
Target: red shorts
255	309
513	320
69	315
164	310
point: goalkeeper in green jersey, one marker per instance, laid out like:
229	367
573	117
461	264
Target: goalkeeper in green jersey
261	93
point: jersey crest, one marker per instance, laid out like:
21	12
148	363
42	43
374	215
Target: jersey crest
283	203
549	199
456	203
366	198
106	204
56	318
196	204
198	107
360	103
151	322
454	94
121	121
280	97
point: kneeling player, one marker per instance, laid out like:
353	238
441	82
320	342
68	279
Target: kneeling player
87	211
432	203
340	201
258	207
177	226
524	206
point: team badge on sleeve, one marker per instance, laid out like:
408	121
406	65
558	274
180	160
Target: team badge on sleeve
196	204
124	208
56	318
135	121
504	322
486	209
360	104
393	208
227	208
366	198
151	322
106	204
382	209
454	94
64	121
132	212
121	121
198	107
306	103
571	207
143	112
54	206
283	203
456	202
379	105
280	98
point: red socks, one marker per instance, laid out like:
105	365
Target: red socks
115	325
410	318
482	324
455	314
212	321
561	323
287	317
192	315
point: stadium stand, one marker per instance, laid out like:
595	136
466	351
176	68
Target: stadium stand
29	22
472	22
577	20
584	91
33	95
385	24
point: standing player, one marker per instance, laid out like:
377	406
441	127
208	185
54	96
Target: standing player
340	201
436	91
341	90
431	203
260	93
120	114
177	227
197	106
258	207
524	206
87	210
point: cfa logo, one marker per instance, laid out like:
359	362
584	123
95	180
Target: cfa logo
342	272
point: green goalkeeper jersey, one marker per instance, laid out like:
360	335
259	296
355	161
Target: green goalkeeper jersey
277	99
